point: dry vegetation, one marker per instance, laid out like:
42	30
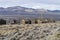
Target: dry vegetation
45	31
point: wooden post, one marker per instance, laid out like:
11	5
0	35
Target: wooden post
7	22
33	21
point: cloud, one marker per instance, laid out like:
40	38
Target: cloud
37	4
41	5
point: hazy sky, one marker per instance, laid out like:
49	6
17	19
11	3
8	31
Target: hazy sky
46	4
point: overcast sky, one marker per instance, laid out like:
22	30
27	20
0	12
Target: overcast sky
46	4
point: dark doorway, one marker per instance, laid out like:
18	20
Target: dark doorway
36	22
28	22
2	22
14	21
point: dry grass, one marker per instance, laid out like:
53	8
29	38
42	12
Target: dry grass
45	31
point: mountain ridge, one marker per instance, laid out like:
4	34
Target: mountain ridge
17	10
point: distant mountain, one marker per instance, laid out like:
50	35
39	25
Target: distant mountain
18	10
54	10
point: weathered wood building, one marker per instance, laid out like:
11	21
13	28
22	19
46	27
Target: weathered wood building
24	20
